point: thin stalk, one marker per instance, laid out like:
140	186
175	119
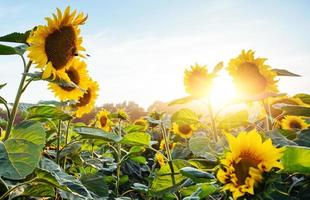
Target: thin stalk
14	188
66	141
212	120
166	139
7	111
17	99
58	142
119	158
267	111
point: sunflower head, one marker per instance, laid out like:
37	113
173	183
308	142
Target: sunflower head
294	123
160	159
87	101
122	114
243	166
141	122
184	130
78	75
53	46
162	145
198	81
251	76
103	121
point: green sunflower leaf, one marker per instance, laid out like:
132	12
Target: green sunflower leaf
284	72
20	154
295	160
16	37
7	50
183	100
47	112
297	110
185	116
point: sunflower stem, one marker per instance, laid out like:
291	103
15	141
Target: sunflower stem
166	139
17	99
58	142
212	120
267	111
66	142
119	158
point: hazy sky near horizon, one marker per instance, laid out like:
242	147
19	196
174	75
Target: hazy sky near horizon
139	49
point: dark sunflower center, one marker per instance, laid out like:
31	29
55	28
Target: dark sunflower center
295	124
60	46
249	80
85	99
242	168
103	121
185	129
74	77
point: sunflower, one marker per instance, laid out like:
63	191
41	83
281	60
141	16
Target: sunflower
249	157
162	145
53	46
183	130
197	81
251	76
87	101
141	122
103	120
293	123
78	75
122	114
160	159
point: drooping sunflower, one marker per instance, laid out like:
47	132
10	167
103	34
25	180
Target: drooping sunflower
294	123
160	159
87	101
183	130
78	75
251	76
141	122
122	114
198	81
246	162
103	120
162	145
53	46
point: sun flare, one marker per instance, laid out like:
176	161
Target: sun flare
223	91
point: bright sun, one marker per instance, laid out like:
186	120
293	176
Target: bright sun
223	91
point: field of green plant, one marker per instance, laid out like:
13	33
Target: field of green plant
261	151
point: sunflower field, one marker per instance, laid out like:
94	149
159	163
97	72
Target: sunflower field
261	151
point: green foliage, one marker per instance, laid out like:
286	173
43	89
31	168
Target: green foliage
185	116
295	160
183	100
16	37
162	182
297	110
284	72
47	112
21	153
52	174
196	175
96	133
137	138
304	97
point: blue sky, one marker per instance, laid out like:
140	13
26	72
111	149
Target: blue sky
139	49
